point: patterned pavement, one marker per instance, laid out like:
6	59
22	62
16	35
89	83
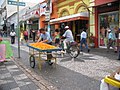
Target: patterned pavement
12	78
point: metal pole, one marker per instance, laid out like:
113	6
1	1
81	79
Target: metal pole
18	29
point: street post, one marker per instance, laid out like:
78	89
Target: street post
47	14
18	29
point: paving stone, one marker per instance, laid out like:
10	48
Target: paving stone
16	73
5	87
13	85
17	88
32	86
3	71
20	77
2	76
24	87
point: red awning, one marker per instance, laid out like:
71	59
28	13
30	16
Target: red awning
101	2
79	16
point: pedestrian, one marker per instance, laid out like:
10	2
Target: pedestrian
26	36
118	41
12	34
22	37
83	40
111	40
56	37
45	38
38	34
1	39
33	35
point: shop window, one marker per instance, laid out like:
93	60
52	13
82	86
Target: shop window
107	21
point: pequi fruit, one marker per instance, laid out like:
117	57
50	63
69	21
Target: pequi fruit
42	46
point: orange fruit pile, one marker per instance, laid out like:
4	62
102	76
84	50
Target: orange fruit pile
42	46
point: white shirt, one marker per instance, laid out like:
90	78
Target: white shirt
83	34
69	36
12	33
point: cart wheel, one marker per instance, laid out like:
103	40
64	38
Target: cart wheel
32	61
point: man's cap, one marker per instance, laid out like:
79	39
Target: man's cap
66	27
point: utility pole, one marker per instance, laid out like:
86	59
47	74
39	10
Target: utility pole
18	29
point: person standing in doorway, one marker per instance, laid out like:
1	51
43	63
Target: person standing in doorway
33	35
12	34
84	40
26	36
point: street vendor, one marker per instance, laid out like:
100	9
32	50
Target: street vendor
45	38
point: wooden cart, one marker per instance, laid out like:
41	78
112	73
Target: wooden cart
35	54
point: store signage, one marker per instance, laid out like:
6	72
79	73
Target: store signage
32	14
16	3
43	7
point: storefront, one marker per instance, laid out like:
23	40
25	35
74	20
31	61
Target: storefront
106	17
72	13
76	22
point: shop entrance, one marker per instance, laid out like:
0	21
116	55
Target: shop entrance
79	25
107	21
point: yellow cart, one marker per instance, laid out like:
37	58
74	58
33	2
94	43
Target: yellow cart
112	81
35	53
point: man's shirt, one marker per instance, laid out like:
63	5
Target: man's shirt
83	35
110	36
46	36
69	36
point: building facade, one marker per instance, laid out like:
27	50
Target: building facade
53	14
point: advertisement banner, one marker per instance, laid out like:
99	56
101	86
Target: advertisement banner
45	7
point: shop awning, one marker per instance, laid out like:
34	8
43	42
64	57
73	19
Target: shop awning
78	16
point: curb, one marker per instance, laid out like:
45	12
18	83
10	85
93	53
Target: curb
38	80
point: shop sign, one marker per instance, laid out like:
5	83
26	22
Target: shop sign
44	6
31	14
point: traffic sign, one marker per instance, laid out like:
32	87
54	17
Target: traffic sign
15	3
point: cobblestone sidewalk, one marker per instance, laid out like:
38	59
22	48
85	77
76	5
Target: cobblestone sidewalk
13	78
